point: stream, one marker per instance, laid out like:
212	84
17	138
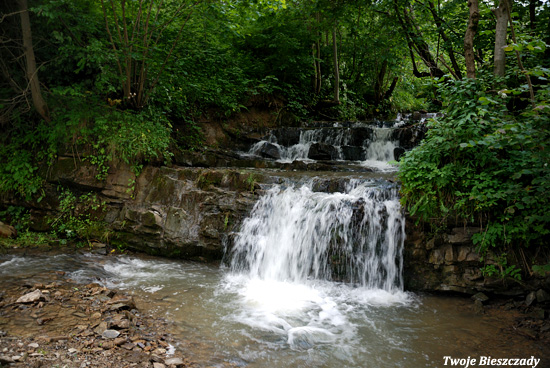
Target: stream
230	318
312	278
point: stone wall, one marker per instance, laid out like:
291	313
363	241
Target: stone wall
449	262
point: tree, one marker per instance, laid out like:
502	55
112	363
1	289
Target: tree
473	22
336	67
32	71
416	42
501	15
135	30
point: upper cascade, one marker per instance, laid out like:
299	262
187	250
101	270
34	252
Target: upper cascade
375	145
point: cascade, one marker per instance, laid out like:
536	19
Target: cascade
295	233
371	144
316	248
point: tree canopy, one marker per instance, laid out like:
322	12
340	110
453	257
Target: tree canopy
130	79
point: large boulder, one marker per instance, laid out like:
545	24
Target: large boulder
322	151
353	153
269	150
287	136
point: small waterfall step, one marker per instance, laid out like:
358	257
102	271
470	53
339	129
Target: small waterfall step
371	146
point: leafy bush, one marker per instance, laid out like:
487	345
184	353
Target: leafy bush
78	215
483	163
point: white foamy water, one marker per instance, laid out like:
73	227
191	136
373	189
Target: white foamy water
294	234
298	246
380	151
336	138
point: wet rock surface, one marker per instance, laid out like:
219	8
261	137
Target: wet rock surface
448	262
63	324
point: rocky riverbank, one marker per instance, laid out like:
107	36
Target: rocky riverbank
64	324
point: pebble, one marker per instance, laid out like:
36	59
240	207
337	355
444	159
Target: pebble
110	334
124	340
481	297
174	361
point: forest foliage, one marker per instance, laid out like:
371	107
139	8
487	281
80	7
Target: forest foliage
131	79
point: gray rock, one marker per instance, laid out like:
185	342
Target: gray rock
531	297
461	235
353	153
110	334
31	297
481	297
174	361
6	359
33	345
270	150
478	307
321	151
542	296
398	152
537	313
158	365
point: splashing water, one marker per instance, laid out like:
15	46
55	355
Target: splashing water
336	138
294	234
380	151
298	246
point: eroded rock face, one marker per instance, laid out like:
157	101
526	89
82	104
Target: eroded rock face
450	262
444	263
184	212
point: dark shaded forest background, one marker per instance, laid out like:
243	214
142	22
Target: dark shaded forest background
132	80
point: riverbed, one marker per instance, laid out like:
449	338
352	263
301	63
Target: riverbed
224	318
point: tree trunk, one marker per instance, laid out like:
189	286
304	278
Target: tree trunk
32	72
447	43
390	90
501	14
378	93
532	14
317	57
469	55
416	43
336	68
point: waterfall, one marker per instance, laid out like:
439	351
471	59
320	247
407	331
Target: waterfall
335	138
372	146
380	150
295	234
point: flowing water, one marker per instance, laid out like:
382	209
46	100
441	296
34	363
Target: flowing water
380	152
376	151
313	278
230	318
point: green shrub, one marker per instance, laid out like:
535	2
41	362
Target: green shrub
78	216
483	163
